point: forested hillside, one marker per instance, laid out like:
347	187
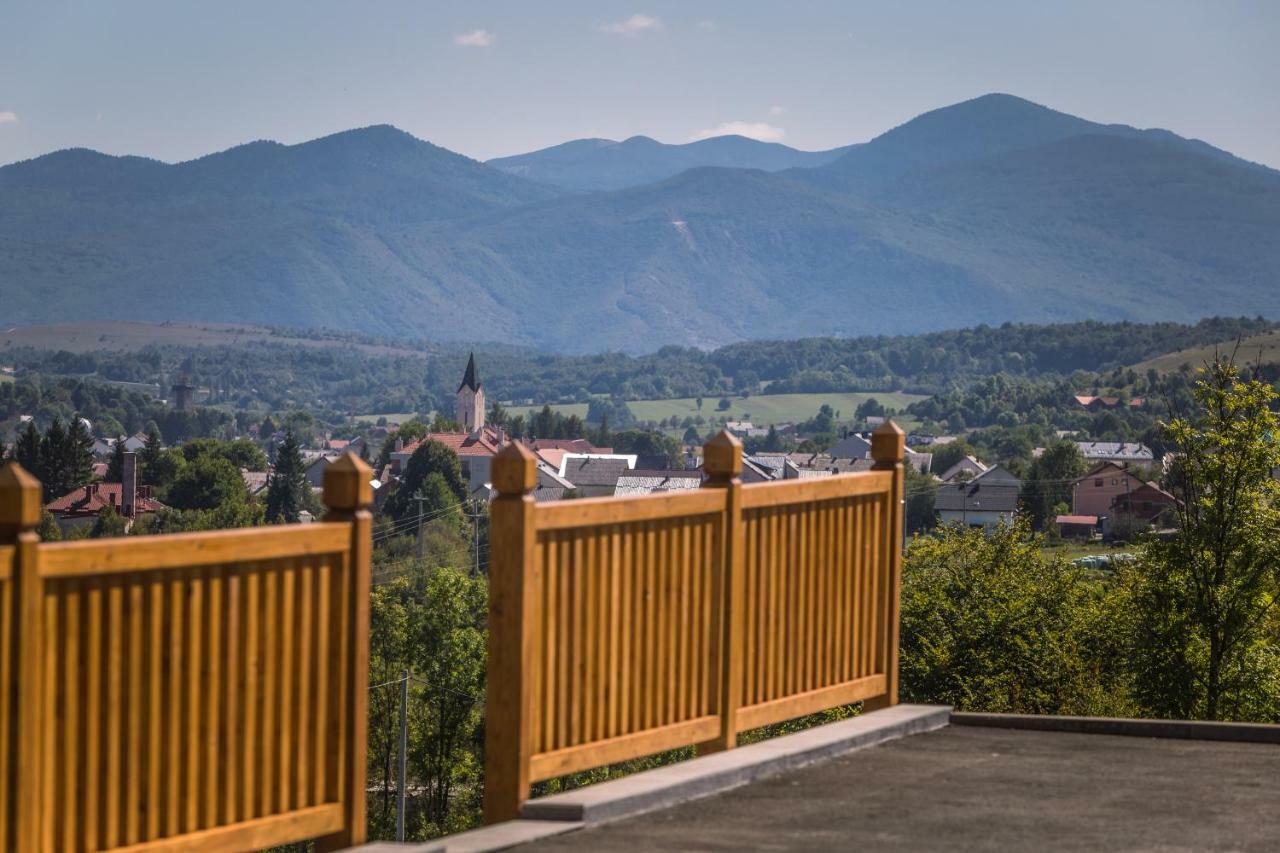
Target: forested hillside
988	211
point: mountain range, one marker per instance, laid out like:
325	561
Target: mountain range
987	211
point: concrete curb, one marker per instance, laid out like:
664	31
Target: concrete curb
1183	729
711	774
500	836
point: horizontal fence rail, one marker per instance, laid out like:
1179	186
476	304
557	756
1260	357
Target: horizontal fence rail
200	691
622	627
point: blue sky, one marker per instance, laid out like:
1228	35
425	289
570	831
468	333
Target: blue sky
175	80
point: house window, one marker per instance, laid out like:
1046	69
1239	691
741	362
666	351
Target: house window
1097	483
1114	481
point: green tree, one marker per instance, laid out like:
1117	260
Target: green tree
208	482
1205	643
447	636
115	467
150	457
1048	481
920	492
27	449
241	452
287	486
78	454
53	472
430	457
109	523
990	624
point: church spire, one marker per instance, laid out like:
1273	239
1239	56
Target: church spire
469	378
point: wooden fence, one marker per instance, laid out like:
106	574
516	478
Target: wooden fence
622	627
197	691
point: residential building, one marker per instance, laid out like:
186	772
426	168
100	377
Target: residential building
852	446
1144	505
85	504
594	476
1095	492
967	468
988	500
1116	451
1076	526
647	482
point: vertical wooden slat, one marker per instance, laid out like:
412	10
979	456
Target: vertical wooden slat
626	613
73	702
48	729
649	687
306	698
231	745
287	723
617	630
174	757
93	740
193	749
268	736
114	734
134	803
211	730
155	704
250	711
323	771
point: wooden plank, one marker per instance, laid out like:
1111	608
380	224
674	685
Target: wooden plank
627	629
790	707
258	834
231	745
597	512
287	744
784	492
619	625
95	646
193	749
174	758
155	702
7	556
269	733
73	702
252	679
622	748
324	631
134	803
113	772
306	699
185	550
8	677
48	728
211	728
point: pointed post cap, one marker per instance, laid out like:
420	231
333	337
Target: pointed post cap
722	456
888	444
19	497
515	470
347	483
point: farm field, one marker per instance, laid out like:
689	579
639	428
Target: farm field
1267	345
762	409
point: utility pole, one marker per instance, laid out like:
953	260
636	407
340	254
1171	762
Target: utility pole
420	498
404	751
475	536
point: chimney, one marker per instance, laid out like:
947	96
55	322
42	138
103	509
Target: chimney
129	485
399	444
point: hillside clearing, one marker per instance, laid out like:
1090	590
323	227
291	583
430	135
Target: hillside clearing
1264	347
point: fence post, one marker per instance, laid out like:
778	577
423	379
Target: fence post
348	494
722	463
20	508
888	444
509	697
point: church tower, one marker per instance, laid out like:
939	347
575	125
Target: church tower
470	399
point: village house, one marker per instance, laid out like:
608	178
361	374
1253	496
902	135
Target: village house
85	504
968	468
647	482
986	501
1095	492
1116	451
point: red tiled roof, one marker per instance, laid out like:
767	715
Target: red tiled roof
338	443
95	497
570	445
1077	519
461	443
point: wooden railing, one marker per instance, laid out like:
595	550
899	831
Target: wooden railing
200	691
622	627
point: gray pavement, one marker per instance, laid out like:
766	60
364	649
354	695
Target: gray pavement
962	788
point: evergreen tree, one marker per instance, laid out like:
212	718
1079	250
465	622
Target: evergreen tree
115	467
53	454
286	488
78	454
151	456
27	449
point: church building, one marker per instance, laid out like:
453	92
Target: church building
471	399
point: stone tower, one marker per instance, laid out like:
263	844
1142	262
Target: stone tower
470	399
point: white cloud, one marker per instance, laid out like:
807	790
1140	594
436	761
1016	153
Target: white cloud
751	129
475	38
777	110
633	26
708	24
8	117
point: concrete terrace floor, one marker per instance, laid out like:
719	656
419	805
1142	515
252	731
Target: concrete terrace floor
963	788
